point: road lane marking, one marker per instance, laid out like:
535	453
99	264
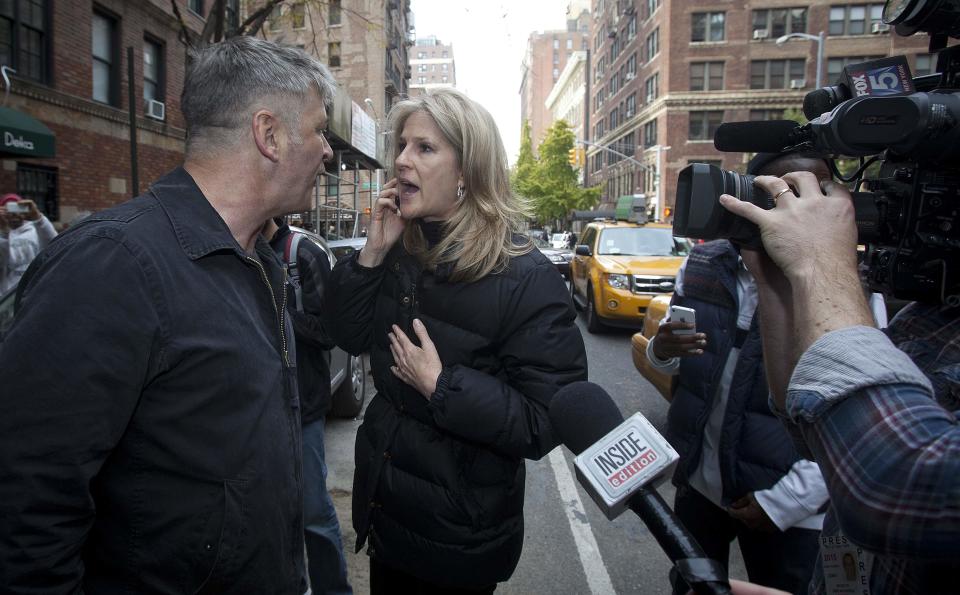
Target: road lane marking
598	579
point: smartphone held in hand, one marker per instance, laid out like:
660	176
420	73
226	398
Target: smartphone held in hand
16	207
681	314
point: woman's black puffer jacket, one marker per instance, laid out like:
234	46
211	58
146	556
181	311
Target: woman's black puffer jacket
438	485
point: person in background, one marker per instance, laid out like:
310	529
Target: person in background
308	275
149	420
24	232
471	333
739	476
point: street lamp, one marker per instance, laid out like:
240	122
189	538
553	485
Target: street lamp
817	38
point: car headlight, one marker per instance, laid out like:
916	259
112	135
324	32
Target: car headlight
618	281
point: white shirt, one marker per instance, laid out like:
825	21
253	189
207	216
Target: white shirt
18	248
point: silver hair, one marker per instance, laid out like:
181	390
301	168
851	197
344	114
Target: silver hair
225	82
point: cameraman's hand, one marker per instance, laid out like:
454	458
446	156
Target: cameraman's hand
33	213
667	345
810	230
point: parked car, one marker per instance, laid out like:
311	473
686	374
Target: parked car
619	266
348	373
558	256
343	248
560	240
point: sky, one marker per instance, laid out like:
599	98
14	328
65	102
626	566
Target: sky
489	39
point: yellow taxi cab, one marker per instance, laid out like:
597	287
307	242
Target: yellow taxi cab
621	264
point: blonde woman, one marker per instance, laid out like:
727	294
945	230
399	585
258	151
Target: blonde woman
470	334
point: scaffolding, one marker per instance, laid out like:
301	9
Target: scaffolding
342	200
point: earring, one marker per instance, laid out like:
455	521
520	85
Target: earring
460	192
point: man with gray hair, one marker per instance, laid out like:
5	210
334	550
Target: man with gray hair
149	418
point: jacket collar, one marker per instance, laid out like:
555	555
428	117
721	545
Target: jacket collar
199	227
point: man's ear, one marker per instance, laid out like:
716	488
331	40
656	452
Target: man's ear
266	134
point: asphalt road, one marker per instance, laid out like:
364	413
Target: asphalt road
569	546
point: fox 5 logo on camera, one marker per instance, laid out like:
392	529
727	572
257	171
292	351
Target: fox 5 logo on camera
880	78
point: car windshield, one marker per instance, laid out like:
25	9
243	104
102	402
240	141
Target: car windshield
641	241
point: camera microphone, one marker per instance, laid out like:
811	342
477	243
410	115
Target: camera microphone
766	136
618	462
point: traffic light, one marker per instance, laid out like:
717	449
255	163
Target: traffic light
573	157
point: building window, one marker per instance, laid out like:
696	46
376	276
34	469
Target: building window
650	134
106	60
857	19
556	74
925	64
444	79
445	54
231	14
651	6
196	6
23	38
706	76
836	65
556	57
777	74
653	44
632	65
598	129
704	124
631	105
153	70
766	114
39	184
298	15
333	12
421	55
780	21
275	18
333	54
707	26
421	80
569	44
444	67
421	67
556	44
651	88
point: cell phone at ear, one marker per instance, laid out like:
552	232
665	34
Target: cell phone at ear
681	314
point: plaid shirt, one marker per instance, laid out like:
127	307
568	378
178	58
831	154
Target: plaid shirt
889	452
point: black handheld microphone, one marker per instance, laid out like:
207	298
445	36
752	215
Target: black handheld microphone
618	462
765	136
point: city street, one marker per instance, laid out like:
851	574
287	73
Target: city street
570	547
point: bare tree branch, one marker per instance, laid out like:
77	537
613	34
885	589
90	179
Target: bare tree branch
213	28
185	35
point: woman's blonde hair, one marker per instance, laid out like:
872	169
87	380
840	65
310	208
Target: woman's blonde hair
478	238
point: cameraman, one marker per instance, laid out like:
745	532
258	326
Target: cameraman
868	414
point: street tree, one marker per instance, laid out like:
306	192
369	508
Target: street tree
552	188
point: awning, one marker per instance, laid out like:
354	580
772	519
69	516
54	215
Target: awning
21	134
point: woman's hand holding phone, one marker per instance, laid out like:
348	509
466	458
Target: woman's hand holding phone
386	226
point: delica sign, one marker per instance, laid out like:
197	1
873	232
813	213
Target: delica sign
632	456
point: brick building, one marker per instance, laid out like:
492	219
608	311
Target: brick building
432	66
71	64
365	43
666	74
546	57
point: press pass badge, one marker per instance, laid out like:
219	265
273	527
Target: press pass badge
632	456
846	566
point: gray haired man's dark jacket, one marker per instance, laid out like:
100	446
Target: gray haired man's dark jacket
149	419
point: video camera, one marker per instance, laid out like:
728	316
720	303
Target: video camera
910	218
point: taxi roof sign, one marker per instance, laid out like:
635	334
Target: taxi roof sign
632	208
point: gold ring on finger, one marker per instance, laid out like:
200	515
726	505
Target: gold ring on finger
777	196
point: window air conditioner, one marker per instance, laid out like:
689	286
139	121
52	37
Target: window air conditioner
156	109
630	76
797	83
760	34
879	28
